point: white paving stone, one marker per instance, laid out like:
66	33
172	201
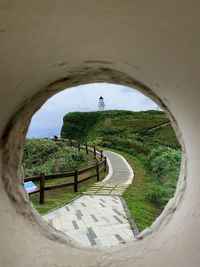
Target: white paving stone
94	220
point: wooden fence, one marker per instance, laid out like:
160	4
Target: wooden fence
42	178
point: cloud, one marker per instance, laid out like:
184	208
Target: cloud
48	120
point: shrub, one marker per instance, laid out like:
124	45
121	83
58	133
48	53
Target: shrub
55	157
37	151
155	197
163	161
164	164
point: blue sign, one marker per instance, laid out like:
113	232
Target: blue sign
30	187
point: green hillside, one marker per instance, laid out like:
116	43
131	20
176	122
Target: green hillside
119	126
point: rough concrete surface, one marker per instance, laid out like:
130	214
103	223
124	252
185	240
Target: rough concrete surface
46	46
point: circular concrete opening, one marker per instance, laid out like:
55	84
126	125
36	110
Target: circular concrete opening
157	42
12	147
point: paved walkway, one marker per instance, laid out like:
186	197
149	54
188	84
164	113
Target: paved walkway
119	177
93	221
98	218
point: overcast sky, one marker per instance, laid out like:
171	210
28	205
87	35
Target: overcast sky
48	120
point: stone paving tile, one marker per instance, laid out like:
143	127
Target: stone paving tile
121	240
98	224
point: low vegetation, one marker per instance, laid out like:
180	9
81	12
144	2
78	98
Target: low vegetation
47	156
153	185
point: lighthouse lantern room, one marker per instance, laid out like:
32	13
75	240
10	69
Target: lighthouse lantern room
101	103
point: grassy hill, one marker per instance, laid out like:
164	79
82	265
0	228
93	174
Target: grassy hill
147	140
106	128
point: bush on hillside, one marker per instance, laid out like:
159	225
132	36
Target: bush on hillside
77	124
164	164
160	195
47	156
163	161
37	151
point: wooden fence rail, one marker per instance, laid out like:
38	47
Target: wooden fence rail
42	178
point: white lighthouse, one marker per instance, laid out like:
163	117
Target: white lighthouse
101	103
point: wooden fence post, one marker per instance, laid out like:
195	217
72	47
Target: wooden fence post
86	148
76	181
95	152
101	155
97	167
79	148
105	164
70	142
42	185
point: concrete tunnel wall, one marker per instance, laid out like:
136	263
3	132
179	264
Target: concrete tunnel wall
46	46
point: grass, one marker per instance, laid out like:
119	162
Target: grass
91	125
143	213
165	135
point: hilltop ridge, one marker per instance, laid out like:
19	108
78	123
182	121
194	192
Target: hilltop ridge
104	127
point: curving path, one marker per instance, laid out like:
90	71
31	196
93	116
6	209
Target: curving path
119	177
100	217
